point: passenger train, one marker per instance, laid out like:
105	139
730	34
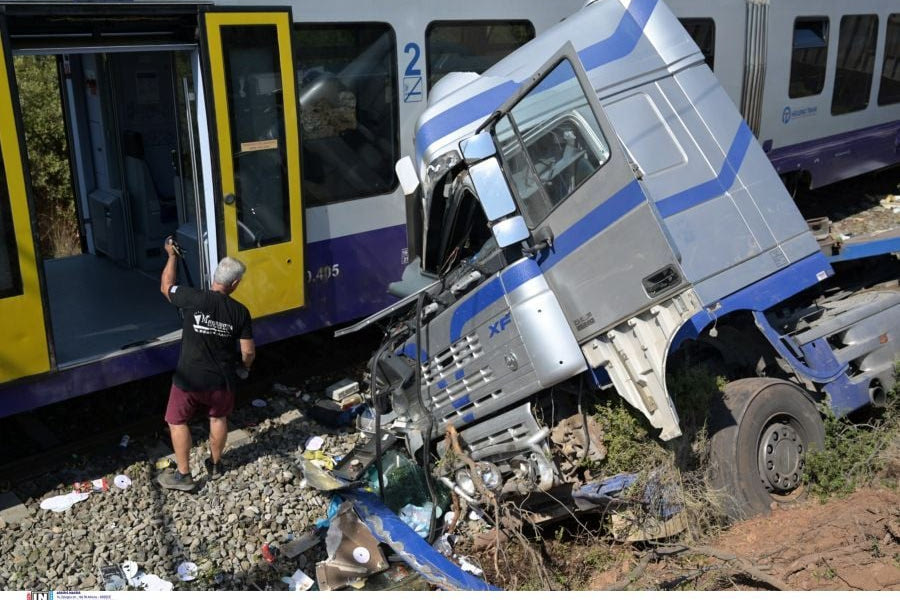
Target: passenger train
269	132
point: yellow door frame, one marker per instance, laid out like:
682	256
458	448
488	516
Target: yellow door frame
24	350
274	280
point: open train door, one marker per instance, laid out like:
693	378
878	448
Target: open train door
24	349
254	105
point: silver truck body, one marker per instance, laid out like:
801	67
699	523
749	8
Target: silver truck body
647	213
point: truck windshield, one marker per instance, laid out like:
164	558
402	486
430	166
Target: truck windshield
550	143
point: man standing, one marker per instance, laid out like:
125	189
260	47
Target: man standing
215	326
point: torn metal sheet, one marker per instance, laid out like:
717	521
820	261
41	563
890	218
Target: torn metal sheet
602	494
320	478
389	529
353	554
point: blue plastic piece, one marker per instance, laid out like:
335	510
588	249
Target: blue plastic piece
330	513
389	529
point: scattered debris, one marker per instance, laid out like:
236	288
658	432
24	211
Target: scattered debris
95	485
353	554
123	443
389	529
319	459
64	502
299	581
269	552
314	443
259	403
164	463
342	389
122	481
301	544
145	581
187	571
419	517
113	578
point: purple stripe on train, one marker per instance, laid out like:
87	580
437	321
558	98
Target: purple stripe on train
841	156
365	264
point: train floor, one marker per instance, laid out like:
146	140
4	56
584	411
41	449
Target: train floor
98	307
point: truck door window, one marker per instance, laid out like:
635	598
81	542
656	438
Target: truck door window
550	143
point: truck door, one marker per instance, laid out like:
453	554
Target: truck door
24	350
257	137
600	244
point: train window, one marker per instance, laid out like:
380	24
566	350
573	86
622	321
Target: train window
547	155
810	49
10	278
256	113
703	32
472	46
889	90
855	63
349	102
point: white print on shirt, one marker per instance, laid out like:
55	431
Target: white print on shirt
205	325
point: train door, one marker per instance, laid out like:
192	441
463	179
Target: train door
107	99
24	351
257	138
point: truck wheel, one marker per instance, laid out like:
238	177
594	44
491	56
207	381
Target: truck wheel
760	436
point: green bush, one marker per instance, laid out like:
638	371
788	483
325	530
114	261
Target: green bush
854	453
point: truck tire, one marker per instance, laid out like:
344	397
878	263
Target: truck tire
761	434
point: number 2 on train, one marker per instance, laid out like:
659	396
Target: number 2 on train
412	76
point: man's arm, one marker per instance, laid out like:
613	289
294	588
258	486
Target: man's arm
248	352
168	275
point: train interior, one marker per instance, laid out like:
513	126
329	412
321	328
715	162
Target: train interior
130	153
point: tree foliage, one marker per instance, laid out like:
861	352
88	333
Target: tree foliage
48	156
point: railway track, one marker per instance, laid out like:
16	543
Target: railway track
42	441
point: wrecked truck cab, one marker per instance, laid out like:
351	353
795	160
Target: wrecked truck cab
587	206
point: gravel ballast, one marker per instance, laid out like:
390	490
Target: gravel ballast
221	527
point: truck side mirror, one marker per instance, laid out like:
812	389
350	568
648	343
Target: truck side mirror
478	147
493	191
510	231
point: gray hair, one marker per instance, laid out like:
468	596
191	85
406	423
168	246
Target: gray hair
229	271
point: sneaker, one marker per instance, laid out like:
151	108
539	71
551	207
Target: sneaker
214	470
171	479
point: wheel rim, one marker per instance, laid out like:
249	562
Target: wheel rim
782	455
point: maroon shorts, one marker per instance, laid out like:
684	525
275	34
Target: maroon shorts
183	405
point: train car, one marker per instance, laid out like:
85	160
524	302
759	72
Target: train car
266	131
817	81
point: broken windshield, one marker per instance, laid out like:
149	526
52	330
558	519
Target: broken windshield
550	142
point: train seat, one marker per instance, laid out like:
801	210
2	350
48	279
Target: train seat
152	216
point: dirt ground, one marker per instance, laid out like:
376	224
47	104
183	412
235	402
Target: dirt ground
851	543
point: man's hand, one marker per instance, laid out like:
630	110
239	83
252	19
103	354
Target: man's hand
167	280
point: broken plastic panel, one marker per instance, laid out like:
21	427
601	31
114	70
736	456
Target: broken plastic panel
389	529
353	554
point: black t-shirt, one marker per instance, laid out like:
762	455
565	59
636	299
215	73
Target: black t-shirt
210	351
